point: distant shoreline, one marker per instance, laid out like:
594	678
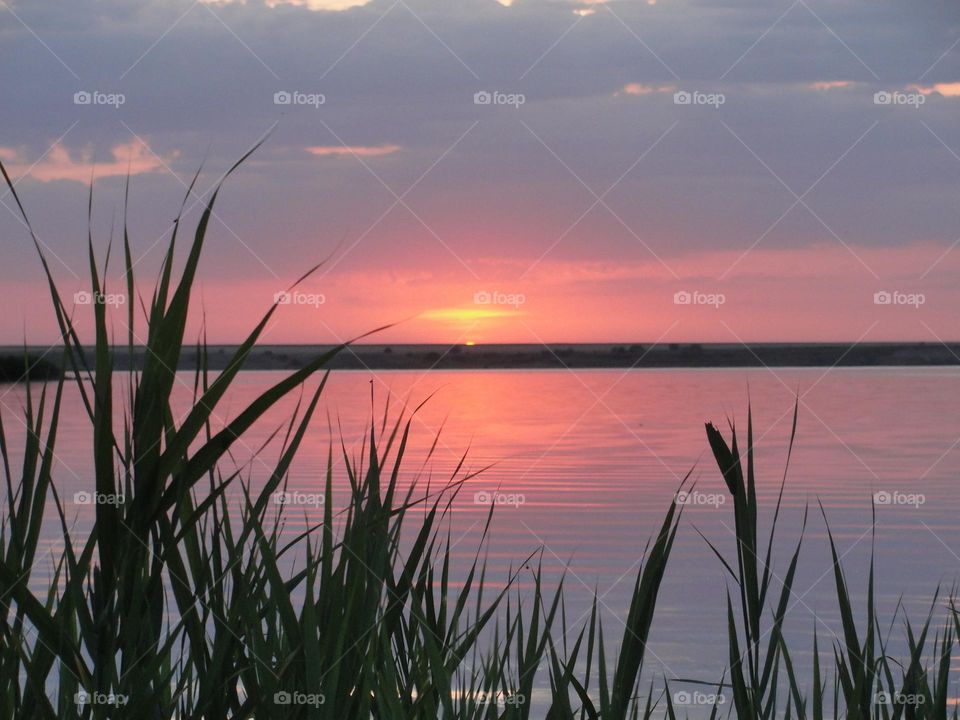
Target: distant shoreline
566	355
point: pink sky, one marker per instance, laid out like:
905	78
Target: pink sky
484	171
822	293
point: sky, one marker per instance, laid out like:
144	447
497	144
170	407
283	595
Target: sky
535	171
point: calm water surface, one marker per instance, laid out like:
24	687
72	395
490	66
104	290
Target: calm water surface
593	459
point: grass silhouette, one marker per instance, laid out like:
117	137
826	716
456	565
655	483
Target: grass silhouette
177	605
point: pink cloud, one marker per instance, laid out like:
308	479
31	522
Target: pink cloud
641	89
60	164
945	89
831	84
358	150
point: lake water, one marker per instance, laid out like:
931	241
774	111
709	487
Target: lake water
593	458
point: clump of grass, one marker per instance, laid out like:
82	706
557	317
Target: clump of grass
187	600
755	652
865	683
182	606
